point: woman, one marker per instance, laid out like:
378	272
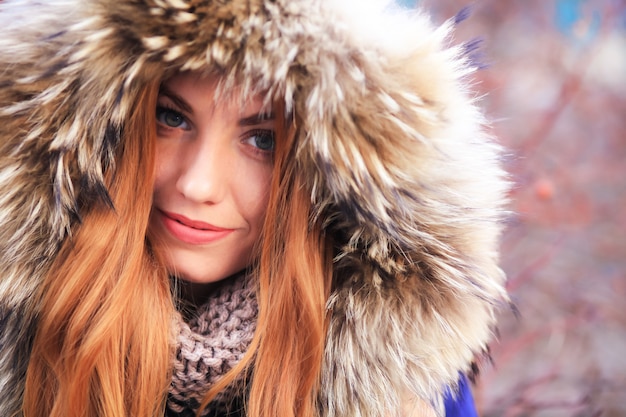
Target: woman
270	208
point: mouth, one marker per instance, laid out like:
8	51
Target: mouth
190	231
195	224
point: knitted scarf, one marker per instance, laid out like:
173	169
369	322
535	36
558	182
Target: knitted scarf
210	344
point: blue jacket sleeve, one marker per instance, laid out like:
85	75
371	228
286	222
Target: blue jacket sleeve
461	404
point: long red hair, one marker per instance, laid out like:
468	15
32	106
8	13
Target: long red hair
294	281
101	348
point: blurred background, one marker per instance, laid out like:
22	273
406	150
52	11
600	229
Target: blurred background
555	88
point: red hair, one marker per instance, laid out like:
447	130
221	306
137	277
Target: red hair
100	346
294	279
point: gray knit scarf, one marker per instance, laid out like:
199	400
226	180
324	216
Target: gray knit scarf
210	344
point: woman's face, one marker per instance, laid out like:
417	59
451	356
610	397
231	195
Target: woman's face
213	170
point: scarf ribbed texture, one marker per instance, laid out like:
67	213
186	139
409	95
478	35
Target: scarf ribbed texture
210	344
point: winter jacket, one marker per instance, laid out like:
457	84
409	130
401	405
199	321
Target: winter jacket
392	142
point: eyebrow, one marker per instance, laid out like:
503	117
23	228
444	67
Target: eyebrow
255	119
178	100
252	120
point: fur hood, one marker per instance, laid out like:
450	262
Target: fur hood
390	138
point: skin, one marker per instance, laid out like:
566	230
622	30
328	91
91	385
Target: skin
213	171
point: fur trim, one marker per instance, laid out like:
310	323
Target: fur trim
390	137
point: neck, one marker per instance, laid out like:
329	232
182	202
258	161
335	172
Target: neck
192	295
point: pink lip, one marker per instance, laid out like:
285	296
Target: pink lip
192	231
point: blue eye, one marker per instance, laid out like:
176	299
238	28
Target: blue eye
262	139
170	118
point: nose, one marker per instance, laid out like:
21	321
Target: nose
204	171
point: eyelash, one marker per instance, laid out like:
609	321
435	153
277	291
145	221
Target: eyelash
260	132
265	153
161	109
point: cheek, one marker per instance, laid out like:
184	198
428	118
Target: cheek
253	193
164	168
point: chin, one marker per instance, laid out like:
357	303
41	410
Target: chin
204	266
197	277
202	273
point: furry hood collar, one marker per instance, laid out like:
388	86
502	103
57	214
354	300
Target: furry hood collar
390	138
